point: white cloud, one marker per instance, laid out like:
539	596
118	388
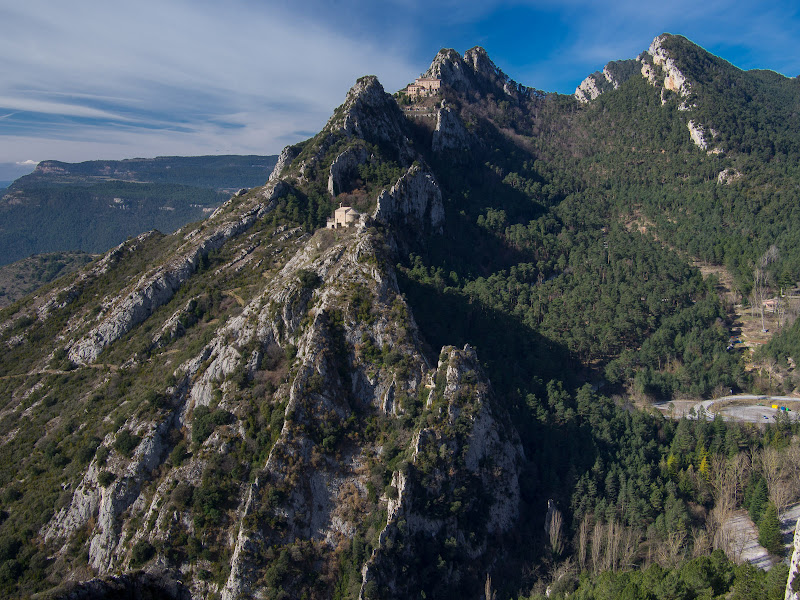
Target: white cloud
186	64
28	163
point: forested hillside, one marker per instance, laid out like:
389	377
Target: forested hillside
455	396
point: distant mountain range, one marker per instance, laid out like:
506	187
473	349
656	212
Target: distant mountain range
92	206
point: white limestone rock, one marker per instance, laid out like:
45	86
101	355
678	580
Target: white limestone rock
158	286
450	133
587	90
793	582
415	200
287	155
343	168
728	176
674	79
697	135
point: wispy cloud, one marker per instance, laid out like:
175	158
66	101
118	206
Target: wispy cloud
203	67
89	78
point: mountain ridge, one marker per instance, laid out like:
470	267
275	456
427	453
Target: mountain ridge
271	407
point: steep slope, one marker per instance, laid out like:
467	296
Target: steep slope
27	275
261	408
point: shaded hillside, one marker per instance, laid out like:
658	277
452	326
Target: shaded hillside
95	205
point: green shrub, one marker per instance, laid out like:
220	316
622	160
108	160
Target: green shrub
204	421
126	443
141	553
308	279
105	478
178	454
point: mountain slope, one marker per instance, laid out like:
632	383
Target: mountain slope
257	406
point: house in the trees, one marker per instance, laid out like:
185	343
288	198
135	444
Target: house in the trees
344	216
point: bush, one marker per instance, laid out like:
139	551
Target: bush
105	478
141	553
178	453
204	421
308	279
126	442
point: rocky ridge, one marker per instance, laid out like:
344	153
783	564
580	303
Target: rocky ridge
335	340
660	69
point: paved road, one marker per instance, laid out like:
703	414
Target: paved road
753	413
740	411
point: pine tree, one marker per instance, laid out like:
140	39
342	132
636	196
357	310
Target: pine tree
769	531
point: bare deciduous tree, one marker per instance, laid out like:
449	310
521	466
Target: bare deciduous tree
761	280
597	546
583	541
554	532
489	594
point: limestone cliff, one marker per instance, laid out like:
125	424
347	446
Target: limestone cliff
283	403
474	73
793	583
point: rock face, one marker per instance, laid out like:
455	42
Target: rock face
486	456
588	89
265	455
414	201
136	586
450	133
344	167
728	176
698	137
793	583
287	155
473	73
674	79
158	286
611	77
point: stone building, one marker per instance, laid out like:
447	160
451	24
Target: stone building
424	86
344	216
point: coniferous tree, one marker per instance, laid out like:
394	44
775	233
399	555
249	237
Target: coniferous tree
769	530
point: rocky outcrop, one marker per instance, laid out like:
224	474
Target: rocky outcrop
414	201
104	502
588	89
467	446
728	176
793	582
697	135
610	78
370	114
674	79
450	133
287	155
344	168
474	73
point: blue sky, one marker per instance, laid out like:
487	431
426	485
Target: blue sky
91	79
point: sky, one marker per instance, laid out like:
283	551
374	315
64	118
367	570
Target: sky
103	79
